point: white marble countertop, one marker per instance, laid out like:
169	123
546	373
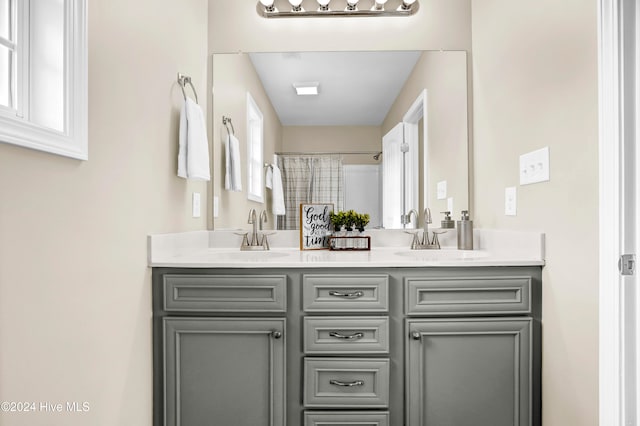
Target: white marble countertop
220	249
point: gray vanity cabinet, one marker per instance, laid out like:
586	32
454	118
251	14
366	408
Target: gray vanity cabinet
469	372
221	357
224	371
422	346
469	349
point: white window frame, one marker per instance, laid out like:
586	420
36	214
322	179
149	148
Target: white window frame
15	127
255	157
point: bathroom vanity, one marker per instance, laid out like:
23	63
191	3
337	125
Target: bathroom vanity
323	338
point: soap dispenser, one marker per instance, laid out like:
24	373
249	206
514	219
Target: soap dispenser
447	222
465	232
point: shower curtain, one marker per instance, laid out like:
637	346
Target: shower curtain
309	179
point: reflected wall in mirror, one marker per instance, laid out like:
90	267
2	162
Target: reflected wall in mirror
354	122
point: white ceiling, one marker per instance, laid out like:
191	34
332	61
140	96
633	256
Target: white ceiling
356	88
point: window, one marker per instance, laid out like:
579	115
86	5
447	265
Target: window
43	75
255	145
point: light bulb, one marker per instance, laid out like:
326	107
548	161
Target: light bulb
352	4
406	4
295	5
379	4
268	5
324	5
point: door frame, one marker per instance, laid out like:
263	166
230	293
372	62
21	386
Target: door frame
618	62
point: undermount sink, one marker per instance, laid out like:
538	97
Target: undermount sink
444	254
249	255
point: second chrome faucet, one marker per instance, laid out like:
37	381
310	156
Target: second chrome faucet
255	241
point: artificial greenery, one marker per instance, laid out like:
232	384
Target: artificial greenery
349	219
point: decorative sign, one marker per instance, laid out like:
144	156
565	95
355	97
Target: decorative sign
315	226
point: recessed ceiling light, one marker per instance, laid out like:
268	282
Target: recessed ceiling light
306	89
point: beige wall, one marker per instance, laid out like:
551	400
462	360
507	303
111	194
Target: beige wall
535	85
233	77
444	76
75	295
334	139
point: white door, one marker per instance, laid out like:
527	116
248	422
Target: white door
392	207
362	191
619	65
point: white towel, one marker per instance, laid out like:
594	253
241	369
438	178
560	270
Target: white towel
232	174
193	150
274	182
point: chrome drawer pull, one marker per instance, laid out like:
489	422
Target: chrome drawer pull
344	336
353	295
347	384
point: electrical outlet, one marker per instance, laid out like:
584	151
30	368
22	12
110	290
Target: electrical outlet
442	190
196	204
510	201
534	166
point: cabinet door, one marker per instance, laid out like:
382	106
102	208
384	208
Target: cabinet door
469	372
224	371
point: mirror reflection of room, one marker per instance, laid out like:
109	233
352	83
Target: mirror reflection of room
330	147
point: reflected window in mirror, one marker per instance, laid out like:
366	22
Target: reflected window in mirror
43	75
255	147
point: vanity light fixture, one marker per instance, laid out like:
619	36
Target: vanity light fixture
374	8
268	6
323	5
407	4
296	6
306	89
378	5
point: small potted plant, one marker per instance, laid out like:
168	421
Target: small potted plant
337	221
362	219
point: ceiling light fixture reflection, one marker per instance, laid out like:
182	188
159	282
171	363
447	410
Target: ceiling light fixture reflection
306	89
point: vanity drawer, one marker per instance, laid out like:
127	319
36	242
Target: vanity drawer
468	296
346	418
225	293
346	383
345	293
346	335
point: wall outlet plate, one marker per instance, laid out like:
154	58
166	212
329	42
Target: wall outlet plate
196	206
442	190
510	201
534	166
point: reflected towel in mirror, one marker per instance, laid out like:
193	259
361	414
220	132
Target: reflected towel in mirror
274	182
193	150
232	174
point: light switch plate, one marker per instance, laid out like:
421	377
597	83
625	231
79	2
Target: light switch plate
442	190
534	166
196	204
510	201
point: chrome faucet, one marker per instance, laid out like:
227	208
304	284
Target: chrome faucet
263	218
255	242
253	220
427	221
405	219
